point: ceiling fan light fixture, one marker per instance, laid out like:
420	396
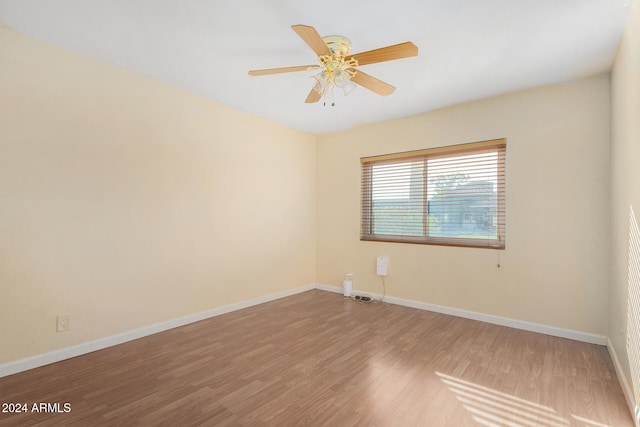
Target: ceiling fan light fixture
328	80
343	81
337	71
328	95
348	87
319	83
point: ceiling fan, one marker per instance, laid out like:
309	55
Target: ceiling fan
338	67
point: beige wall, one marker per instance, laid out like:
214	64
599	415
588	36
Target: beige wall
125	202
625	166
555	266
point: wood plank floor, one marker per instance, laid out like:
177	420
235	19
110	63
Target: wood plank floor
318	359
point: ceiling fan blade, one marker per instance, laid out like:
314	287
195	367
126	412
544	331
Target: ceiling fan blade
371	83
314	96
389	53
282	70
312	38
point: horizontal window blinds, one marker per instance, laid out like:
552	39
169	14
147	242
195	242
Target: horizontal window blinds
448	195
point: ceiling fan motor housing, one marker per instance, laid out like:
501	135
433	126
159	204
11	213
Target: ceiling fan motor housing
340	46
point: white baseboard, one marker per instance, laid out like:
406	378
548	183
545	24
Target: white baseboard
88	347
488	318
329	288
626	389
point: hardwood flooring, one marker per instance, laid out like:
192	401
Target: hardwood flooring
318	359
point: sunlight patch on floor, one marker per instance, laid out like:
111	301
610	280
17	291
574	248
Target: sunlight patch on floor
589	422
490	407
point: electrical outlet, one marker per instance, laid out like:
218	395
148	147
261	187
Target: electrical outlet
63	324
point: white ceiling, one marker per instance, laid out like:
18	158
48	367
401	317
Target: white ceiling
468	49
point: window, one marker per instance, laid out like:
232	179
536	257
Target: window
442	196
